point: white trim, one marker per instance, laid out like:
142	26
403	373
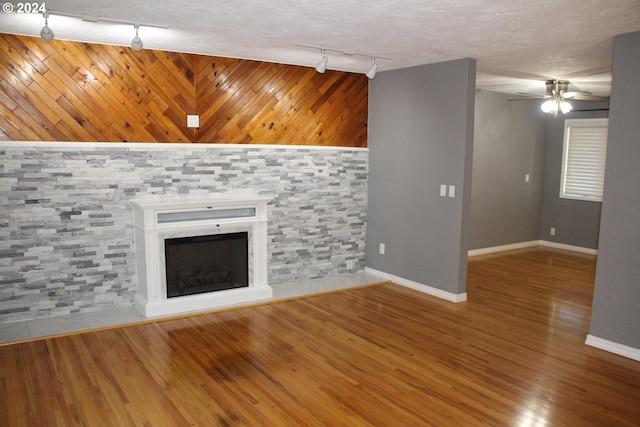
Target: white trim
419	286
613	347
532	243
483	251
162	146
556	245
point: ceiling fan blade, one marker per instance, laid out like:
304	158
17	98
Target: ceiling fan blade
587	97
533	95
574	94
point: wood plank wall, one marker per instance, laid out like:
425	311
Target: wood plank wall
69	91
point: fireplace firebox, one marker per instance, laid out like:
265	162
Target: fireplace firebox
201	264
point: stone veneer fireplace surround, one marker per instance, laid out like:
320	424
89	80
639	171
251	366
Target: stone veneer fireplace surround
68	225
158	219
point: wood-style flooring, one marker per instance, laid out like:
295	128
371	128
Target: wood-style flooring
382	355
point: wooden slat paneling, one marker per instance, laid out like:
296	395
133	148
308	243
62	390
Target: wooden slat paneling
82	92
68	91
261	103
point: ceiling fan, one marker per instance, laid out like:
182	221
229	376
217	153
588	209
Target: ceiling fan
557	95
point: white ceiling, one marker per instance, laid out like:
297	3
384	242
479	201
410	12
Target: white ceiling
517	43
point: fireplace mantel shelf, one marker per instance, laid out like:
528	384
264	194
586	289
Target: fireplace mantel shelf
182	203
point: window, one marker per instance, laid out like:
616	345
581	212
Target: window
583	158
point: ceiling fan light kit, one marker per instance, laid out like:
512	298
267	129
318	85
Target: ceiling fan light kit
556	90
555	105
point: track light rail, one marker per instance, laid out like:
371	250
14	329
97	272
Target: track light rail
90	18
344	51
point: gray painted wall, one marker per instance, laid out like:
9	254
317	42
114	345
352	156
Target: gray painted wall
576	222
616	314
421	136
509	142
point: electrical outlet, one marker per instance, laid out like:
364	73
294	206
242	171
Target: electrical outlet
443	190
552	231
382	248
350	264
193	121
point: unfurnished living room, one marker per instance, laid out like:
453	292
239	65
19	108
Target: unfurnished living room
383	213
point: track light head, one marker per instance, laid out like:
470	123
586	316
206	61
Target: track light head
373	70
136	43
46	33
322	65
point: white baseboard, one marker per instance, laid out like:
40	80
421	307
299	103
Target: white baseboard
419	286
613	347
589	251
494	249
484	251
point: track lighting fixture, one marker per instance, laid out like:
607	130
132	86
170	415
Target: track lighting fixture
373	70
322	65
46	33
136	43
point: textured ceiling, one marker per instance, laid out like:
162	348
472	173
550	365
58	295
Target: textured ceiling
518	43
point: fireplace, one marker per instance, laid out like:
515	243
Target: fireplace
194	254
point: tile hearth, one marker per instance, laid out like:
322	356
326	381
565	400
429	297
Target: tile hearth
38	328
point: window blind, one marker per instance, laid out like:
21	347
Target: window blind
584	155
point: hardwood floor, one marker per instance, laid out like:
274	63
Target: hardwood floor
383	355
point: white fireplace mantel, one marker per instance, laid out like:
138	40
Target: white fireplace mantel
158	219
